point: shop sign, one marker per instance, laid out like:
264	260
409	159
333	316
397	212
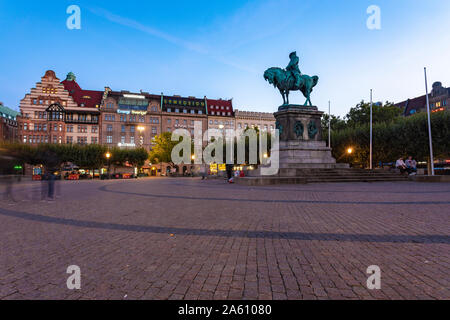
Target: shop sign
142	113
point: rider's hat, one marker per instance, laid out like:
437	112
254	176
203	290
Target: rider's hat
292	54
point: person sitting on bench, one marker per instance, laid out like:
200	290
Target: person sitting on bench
411	165
400	164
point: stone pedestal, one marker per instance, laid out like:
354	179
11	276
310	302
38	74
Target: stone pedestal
301	145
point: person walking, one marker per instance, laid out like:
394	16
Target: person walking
203	172
229	169
51	186
9	194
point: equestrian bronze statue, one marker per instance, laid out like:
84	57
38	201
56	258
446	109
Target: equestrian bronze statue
291	79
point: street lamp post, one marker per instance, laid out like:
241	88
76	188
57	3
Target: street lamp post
430	140
141	139
108	156
221	126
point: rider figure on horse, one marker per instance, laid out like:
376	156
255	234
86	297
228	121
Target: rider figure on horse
293	68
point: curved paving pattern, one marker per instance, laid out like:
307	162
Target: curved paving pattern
191	239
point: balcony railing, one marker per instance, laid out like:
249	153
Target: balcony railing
83	121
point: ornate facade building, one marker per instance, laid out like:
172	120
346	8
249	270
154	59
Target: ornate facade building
62	112
181	113
59	112
130	119
439	101
250	119
8	124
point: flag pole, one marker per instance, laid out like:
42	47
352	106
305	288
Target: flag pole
430	140
329	124
371	157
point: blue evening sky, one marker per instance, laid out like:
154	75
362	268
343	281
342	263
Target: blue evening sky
221	48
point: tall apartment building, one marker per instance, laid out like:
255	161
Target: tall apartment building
181	113
8	124
130	119
59	112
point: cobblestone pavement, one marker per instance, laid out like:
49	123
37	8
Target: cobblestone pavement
167	238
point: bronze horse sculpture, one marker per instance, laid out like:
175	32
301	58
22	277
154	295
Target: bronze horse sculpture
285	81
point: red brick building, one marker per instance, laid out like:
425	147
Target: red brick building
59	112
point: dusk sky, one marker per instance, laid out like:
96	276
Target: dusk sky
221	48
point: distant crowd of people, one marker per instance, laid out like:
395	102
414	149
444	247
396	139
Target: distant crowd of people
409	166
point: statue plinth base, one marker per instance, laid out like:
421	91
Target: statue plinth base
302	153
301	145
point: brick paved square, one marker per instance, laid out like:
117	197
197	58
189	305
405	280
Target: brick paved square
183	238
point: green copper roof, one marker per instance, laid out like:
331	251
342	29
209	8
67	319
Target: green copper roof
8	113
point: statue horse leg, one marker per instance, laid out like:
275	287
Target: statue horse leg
287	96
282	94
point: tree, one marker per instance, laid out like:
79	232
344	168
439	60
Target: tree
336	122
137	157
391	140
360	115
162	148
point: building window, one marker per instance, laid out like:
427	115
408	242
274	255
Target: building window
200	112
94	140
24	139
132	129
69	140
94	129
109	128
82	140
192	111
108	139
169	110
123	128
169	121
122	139
154	131
132	139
